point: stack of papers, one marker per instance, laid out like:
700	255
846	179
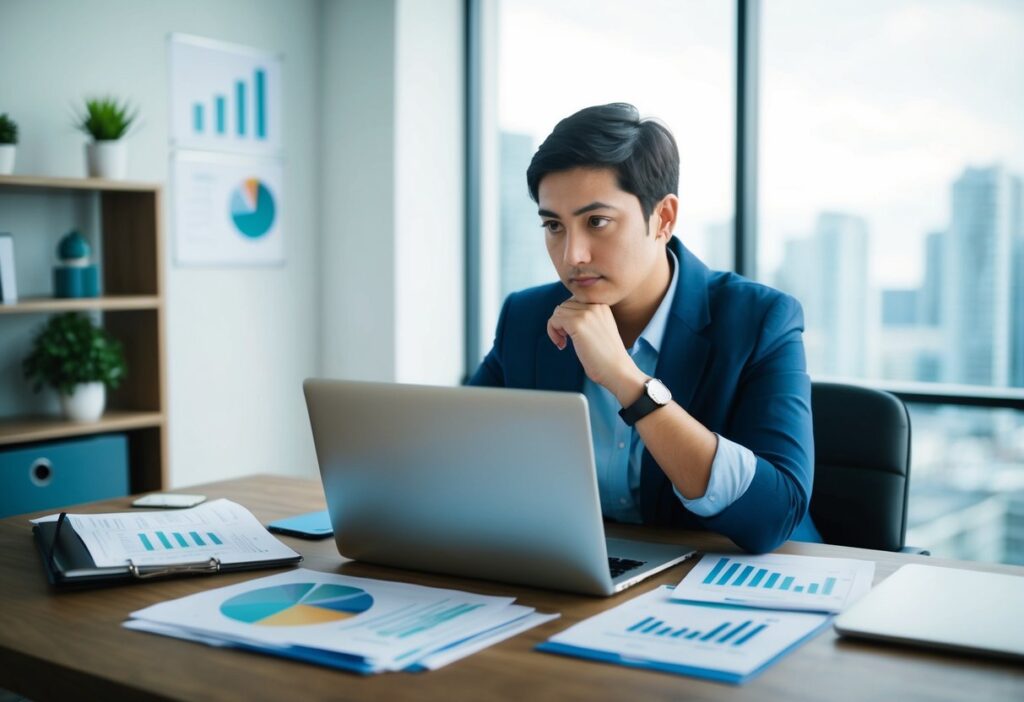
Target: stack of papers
356	624
728	620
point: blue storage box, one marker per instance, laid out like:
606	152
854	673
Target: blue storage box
59	473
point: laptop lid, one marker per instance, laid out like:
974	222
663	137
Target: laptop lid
480	482
948	608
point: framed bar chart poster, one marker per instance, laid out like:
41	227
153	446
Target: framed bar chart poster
224	97
226	209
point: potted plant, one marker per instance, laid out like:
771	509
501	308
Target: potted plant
8	140
106	120
79	360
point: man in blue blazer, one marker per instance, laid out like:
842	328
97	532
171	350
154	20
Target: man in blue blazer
696	379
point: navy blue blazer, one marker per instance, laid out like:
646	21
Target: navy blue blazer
733	357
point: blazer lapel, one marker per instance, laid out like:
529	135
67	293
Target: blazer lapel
681	361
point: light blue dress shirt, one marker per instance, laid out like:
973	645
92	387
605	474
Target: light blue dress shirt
618	448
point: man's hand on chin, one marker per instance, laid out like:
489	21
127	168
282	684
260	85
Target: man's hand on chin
598	345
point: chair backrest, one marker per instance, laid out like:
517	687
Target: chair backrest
861	466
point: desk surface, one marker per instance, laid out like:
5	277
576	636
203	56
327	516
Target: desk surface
72	646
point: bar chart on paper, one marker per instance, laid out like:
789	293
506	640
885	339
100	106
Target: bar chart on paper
777	581
726	632
707	640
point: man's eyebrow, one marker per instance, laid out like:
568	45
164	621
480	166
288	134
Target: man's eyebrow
586	208
592	206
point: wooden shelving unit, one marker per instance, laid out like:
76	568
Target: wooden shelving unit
133	312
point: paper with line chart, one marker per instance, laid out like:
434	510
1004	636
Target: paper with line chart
777	581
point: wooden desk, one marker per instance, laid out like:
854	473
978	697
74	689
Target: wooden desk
72	646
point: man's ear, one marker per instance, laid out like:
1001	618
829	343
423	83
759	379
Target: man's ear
666	212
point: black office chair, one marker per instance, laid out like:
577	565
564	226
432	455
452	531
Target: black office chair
861	466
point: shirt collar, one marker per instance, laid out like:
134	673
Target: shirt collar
654	332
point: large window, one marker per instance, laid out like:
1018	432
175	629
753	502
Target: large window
888	159
891	206
674	61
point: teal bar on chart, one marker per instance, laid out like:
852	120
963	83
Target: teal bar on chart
213	538
771	580
786	582
679	632
693	635
640	623
163	539
749	635
743	576
716	631
222	121
798	588
181	540
197	117
240	106
146	542
728	574
664	630
829	584
729	634
709	578
652	626
261	99
198	539
812	589
758	577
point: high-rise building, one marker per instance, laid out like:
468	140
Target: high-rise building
930	297
524	259
981	280
828	274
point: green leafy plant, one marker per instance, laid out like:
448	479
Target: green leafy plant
72	350
8	130
105	119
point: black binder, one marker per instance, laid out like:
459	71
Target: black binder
67	562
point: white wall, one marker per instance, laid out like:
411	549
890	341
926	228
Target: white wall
392	211
373	283
239	341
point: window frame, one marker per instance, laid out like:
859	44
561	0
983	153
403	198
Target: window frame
747	62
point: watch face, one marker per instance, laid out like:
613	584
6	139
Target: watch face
657	391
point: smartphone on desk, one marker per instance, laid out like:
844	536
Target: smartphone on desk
169	500
312	525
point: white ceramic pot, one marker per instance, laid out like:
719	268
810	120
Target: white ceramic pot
107	159
7	158
86	403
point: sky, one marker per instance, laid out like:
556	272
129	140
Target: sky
871	107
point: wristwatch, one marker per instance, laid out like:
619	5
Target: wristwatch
655	395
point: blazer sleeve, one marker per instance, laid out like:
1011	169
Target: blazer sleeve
771	416
491	372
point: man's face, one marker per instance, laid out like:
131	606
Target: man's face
596	236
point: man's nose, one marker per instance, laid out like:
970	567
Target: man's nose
577	248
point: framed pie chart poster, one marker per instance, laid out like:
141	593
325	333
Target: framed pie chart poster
227	210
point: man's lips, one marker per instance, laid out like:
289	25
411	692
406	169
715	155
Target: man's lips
585	280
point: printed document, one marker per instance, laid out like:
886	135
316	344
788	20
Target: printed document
777	581
720	642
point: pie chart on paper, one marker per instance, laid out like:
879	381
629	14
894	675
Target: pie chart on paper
252	208
297	604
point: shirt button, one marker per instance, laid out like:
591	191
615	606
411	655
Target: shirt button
622	444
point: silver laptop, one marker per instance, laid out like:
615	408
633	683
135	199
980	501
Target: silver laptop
480	482
961	610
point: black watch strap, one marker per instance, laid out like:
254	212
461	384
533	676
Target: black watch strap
645	405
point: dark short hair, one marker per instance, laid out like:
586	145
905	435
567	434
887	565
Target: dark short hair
642	152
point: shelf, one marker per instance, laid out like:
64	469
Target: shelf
15	430
46	305
95	184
